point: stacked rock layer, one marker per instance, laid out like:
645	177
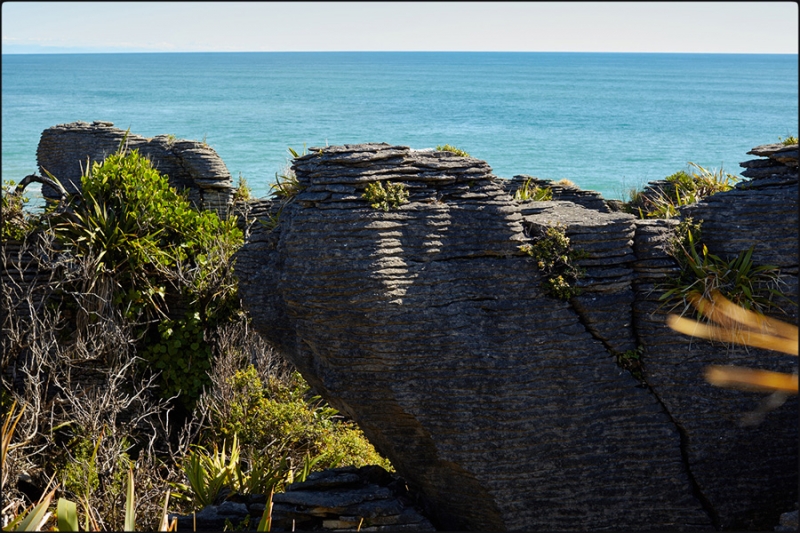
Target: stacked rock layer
426	324
191	165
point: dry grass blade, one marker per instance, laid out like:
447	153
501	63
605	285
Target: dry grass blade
722	311
745	327
738	336
751	379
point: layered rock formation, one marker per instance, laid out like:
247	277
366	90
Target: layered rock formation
427	326
191	165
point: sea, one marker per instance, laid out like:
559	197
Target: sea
609	122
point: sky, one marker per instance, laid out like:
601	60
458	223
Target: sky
674	27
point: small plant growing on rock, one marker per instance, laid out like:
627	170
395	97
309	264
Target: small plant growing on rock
555	259
788	141
242	193
530	192
749	286
453	150
392	196
631	360
682	188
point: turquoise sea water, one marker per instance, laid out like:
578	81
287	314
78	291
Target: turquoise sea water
608	122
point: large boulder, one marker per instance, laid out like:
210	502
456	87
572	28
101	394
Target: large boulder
427	325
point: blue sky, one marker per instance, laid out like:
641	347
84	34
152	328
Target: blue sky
707	27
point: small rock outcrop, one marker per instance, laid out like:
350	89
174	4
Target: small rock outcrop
191	165
561	191
339	499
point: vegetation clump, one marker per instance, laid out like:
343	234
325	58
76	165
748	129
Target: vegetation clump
682	188
133	351
789	140
703	274
556	260
530	192
390	196
452	150
242	192
14	224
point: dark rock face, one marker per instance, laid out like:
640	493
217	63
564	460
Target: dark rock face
191	165
426	325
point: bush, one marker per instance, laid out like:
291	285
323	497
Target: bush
147	242
750	286
13	224
282	420
556	260
390	197
452	150
682	188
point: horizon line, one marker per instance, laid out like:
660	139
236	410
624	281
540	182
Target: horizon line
67	52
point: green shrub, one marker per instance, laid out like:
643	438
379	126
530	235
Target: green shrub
14	224
242	192
452	149
682	188
529	192
750	286
148	241
555	258
790	139
282	421
390	197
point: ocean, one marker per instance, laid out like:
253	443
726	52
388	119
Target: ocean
609	122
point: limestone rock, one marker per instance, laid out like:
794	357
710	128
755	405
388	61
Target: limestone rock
426	325
191	165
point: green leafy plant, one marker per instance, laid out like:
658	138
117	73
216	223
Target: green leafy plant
452	149
208	472
790	139
145	241
182	355
631	360
556	260
682	188
281	420
286	185
530	192
14	224
392	196
749	286
242	192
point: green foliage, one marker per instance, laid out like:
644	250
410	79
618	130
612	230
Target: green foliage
208	472
452	149
182	355
631	360
147	239
243	192
286	185
133	224
753	287
14	224
80	474
282	421
790	139
555	258
392	196
683	188
529	192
